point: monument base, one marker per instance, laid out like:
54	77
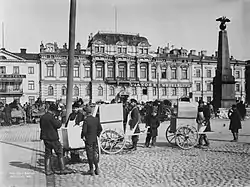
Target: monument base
227	103
223	113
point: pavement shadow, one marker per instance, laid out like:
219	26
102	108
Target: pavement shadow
26	166
21	146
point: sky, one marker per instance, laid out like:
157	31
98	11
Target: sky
182	23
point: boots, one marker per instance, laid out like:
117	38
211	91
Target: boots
153	142
91	170
47	164
236	137
61	164
206	140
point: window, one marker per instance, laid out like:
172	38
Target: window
237	87
174	91
16	70
111	90
50	70
2	86
141	51
237	74
16	86
132	71
196	99
31	85
198	73
102	49
76	71
87	89
76	91
96	49
154	91
125	50
198	86
144	91
143	72
111	71
3	100
64	90
100	91
63	71
87	72
209	86
209	73
184	73
99	71
185	91
30	70
209	98
154	73
122	71
32	99
50	90
145	51
134	91
164	91
173	73
2	69
119	50
164	73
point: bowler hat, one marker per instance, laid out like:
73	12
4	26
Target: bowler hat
88	110
53	107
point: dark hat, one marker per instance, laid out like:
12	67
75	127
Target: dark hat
133	101
201	101
53	107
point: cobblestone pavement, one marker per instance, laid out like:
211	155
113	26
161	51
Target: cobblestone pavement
224	163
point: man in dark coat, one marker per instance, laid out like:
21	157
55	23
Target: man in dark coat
49	125
7	112
154	123
90	130
135	119
235	122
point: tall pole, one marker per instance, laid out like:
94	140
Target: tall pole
202	77
72	24
2	35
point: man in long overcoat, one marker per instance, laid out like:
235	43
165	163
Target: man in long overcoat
49	126
91	129
235	122
134	120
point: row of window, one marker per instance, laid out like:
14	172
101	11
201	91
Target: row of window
16	70
209	87
123	50
209	73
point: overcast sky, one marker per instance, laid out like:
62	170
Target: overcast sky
183	23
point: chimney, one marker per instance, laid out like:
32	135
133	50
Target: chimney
204	52
78	46
216	53
192	52
65	46
23	51
199	53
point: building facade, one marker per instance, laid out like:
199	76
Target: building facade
115	62
19	76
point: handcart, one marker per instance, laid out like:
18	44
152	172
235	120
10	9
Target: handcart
183	129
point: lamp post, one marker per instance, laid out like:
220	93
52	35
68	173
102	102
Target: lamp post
202	77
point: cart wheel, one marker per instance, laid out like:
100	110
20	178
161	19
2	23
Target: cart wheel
186	137
170	136
111	142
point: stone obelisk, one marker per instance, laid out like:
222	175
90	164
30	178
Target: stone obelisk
224	81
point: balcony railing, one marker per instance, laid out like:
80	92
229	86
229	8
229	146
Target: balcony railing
11	91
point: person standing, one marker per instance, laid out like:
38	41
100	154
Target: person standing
7	112
91	129
49	125
154	123
235	122
133	123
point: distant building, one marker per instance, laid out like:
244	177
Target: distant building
121	62
19	76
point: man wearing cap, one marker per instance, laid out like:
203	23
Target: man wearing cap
49	125
90	130
134	120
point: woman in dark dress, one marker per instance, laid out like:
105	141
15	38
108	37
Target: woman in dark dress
235	122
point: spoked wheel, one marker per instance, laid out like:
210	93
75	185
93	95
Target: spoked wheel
186	137
170	136
111	142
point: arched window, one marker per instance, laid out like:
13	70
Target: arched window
100	91
50	90
122	70
111	90
143	71
154	72
99	70
64	90
87	89
76	91
132	71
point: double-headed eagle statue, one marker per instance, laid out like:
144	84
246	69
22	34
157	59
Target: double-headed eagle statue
223	21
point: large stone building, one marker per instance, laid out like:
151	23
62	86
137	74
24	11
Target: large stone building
115	62
19	76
